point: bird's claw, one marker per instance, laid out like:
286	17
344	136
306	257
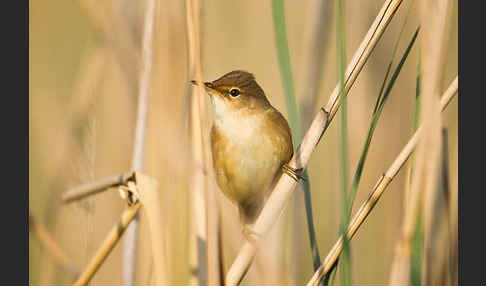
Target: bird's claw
293	173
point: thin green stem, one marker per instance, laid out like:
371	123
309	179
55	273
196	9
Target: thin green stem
343	148
285	68
417	239
376	115
287	80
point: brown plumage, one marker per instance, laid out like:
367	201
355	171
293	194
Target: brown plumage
250	141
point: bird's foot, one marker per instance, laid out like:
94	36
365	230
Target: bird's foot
293	173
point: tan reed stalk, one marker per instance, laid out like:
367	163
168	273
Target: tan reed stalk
282	191
400	272
268	265
51	246
440	251
198	238
435	17
204	254
108	244
402	250
214	254
92	188
129	251
214	258
149	196
377	191
408	179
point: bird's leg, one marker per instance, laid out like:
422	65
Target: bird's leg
293	173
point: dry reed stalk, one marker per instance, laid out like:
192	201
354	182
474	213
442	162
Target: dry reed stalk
129	251
435	17
198	206
51	246
282	191
204	250
108	244
408	179
400	273
269	267
441	252
377	191
214	254
149	196
92	188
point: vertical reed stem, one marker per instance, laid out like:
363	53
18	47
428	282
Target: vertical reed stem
130	246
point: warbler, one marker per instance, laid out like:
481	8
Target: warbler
250	142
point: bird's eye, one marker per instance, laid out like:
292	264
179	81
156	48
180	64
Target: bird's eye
234	92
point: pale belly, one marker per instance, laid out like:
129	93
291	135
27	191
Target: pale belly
246	164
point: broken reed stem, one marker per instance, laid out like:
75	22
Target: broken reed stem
150	198
283	190
108	244
48	242
376	192
89	189
129	250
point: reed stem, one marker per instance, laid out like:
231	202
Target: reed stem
376	193
108	244
83	191
130	245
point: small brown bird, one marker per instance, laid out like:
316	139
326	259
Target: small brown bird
250	141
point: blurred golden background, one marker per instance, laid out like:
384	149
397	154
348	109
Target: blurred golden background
83	78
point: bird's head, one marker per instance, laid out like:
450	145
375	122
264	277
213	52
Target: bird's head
235	91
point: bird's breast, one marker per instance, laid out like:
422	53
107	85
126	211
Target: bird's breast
245	156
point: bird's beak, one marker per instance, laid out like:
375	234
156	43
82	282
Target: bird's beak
207	85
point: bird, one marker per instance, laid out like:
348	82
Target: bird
251	142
